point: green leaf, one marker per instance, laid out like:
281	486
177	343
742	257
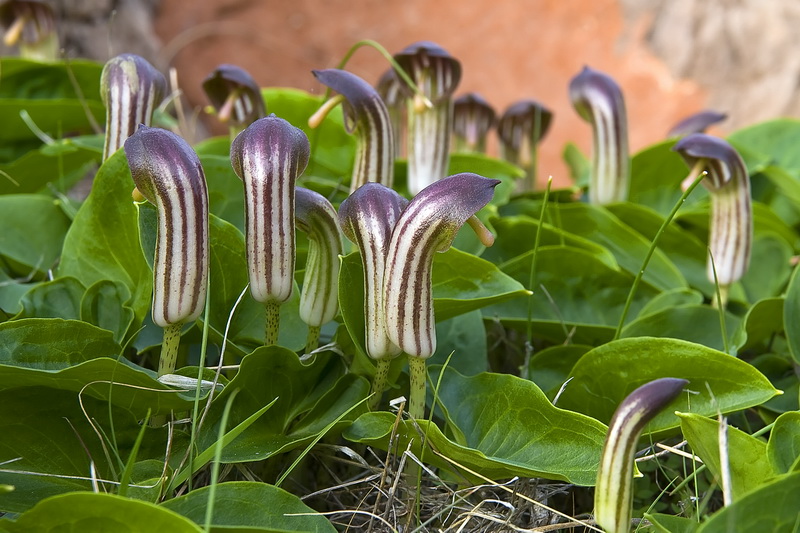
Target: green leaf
695	323
54	117
747	455
465	337
48	443
53	344
762	321
489	167
535	438
11	292
772	142
60	298
550	368
250	505
87	511
599	225
773	507
516	236
783	448
606	375
32	231
580	168
665	523
669	299
26	78
576	296
103	241
770	267
462	283
105	304
225	189
791	315
309	397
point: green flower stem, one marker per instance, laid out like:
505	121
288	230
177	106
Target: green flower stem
169	349
273	322
697	170
417	374
312	341
379	381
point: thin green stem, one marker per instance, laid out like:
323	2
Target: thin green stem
312	341
272	323
720	303
169	350
379	381
200	369
417	375
696	170
532	279
395	65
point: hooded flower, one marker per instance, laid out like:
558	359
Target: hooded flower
598	99
731	229
235	95
168	173
131	89
521	128
368	118
437	74
473	117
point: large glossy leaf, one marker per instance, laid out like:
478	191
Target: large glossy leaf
772	507
225	189
54	117
783	448
747	455
770	267
87	511
606	375
32	244
550	368
772	142
518	432
664	523
695	323
686	251
576	296
465	337
60	298
26	78
11	292
599	225
103	241
105	304
791	315
516	235
309	398
47	438
762	321
250	505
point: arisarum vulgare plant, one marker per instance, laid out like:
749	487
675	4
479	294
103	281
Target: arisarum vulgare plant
268	156
31	24
427	225
131	89
696	123
521	129
235	95
319	302
168	174
437	74
613	495
731	228
367	117
598	99
473	118
368	217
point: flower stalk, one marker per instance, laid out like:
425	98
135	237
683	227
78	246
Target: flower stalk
521	129
131	89
598	99
319	303
613	495
731	228
168	174
437	74
269	156
366	116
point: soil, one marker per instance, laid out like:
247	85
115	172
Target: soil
509	51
